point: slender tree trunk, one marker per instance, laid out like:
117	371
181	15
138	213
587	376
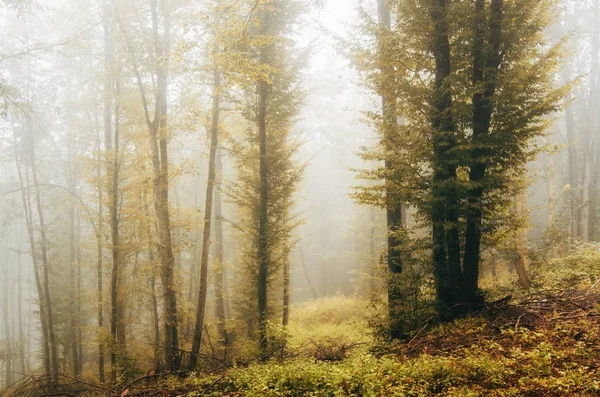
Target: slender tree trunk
21	340
521	262
593	158
25	198
263	254
286	289
153	297
574	212
45	264
7	321
160	161
373	255
72	264
393	203
193	276
79	292
112	153
99	268
210	186
220	292
311	286
108	99
158	138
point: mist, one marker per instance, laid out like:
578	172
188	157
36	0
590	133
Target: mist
190	186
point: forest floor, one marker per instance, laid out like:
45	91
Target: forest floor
543	344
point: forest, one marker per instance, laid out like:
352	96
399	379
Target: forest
299	198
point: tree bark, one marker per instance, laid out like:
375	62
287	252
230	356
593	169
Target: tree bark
45	264
486	63
112	153
25	198
593	158
72	263
7	321
286	290
220	271
153	298
521	259
210	186
263	254
21	340
393	203
446	249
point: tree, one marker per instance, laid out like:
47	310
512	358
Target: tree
208	214
158	136
268	173
468	136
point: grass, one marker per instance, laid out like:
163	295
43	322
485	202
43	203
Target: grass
552	350
553	354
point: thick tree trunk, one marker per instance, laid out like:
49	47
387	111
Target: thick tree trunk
210	187
486	61
446	250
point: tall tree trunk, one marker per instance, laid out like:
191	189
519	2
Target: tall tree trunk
153	297
72	264
393	203
100	268
158	138
45	264
210	186
573	199
444	213
21	340
373	255
79	291
220	292
7	321
160	160
486	63
25	198
286	289
521	256
263	254
108	97
112	152
592	127
311	286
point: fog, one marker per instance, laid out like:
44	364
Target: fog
100	97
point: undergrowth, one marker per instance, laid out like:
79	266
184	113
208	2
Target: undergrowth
553	352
